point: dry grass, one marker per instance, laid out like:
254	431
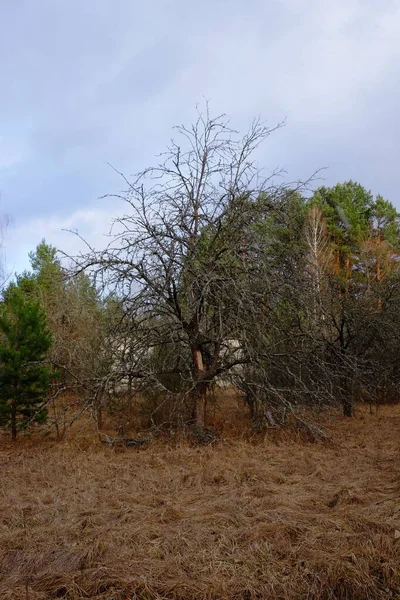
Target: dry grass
240	520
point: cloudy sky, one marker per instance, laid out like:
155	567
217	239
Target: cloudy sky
90	82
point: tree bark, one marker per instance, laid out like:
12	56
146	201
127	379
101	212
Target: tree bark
348	410
200	405
348	275
200	390
347	398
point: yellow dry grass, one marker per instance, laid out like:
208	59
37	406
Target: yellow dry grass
242	520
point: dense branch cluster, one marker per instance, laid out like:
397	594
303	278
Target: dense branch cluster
218	274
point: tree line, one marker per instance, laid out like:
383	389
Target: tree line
215	272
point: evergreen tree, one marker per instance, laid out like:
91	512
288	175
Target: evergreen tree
24	377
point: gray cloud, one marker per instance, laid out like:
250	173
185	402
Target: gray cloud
85	83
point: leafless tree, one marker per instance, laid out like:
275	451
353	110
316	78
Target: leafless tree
189	259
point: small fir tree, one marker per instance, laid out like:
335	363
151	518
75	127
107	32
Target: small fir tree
25	379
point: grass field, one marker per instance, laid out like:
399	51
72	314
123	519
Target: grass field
282	519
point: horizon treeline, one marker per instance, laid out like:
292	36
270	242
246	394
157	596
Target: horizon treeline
215	275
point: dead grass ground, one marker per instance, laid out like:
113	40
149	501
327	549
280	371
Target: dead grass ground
242	520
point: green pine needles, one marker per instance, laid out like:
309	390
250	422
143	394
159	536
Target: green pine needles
25	378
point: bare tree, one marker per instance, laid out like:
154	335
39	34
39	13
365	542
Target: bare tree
318	268
186	262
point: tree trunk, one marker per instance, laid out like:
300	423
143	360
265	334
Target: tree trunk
56	419
347	398
200	405
346	391
200	390
347	404
348	275
13	422
379	279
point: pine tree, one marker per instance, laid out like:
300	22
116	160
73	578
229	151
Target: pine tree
24	377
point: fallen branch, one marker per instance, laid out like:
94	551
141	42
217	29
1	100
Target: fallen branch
124	441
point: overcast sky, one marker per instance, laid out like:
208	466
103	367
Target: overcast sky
87	82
